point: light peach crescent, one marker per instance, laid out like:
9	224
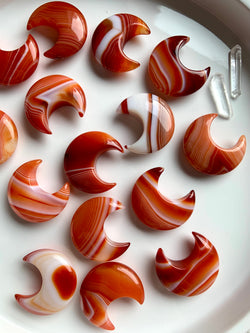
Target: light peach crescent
155	210
104	284
29	201
67	21
194	274
110	37
204	154
8	137
58	285
47	95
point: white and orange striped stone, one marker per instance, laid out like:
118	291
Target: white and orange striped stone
59	282
110	37
157	120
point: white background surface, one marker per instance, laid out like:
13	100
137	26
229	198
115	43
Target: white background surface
222	207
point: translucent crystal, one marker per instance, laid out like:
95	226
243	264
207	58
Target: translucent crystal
235	71
220	96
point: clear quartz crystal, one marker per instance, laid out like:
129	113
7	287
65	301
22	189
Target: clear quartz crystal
235	71
220	96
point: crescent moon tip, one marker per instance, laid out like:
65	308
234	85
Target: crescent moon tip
51	54
119	205
18	297
242	140
157	171
160	256
199	239
26	258
191	195
36	162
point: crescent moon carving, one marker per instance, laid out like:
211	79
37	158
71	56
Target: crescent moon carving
204	154
87	230
50	93
192	275
29	201
155	210
157	119
18	65
167	72
80	160
8	137
58	283
69	23
104	284
110	37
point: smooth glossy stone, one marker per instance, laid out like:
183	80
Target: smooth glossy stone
167	72
204	154
8	137
59	282
29	201
235	68
155	210
69	23
18	65
87	230
80	160
220	96
194	274
47	95
156	117
104	284
110	37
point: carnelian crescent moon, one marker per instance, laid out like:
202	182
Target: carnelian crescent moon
155	210
29	201
47	95
87	230
204	154
167	72
80	160
193	275
69	23
104	284
110	37
18	65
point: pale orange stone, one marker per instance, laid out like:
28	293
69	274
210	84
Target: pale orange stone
8	137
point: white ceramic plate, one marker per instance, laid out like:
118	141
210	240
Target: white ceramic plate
222	211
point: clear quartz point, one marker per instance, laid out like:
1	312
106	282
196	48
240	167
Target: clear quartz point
235	60
220	96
